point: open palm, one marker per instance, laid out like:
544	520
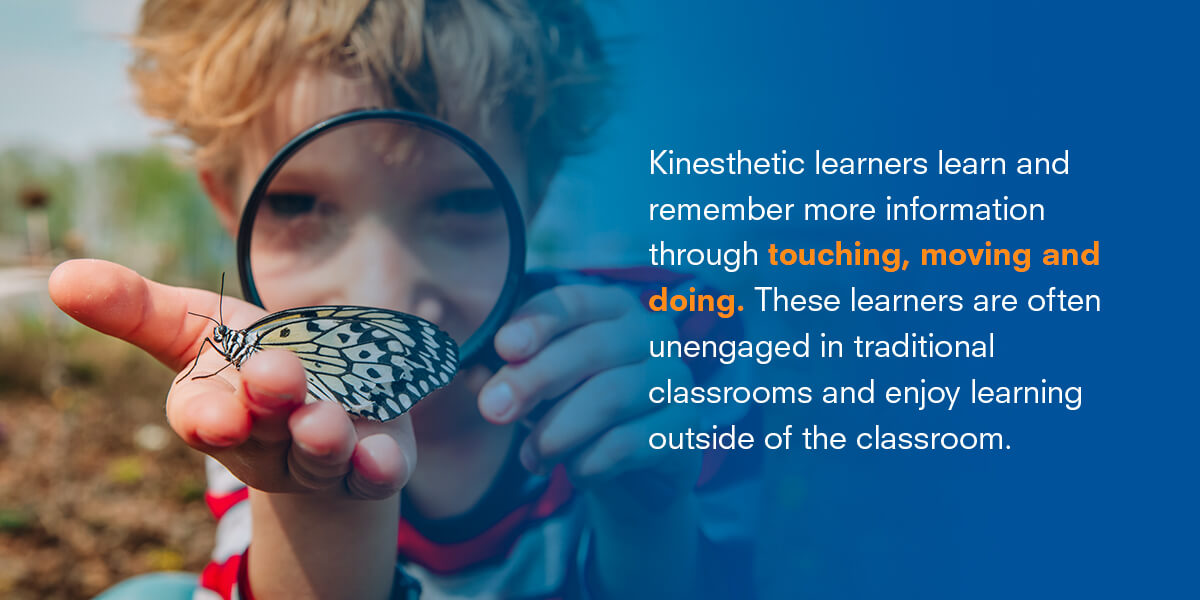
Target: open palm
253	420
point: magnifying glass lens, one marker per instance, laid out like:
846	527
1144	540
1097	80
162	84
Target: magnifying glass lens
383	213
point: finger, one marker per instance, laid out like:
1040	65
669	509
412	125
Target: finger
273	385
466	384
626	449
207	413
323	441
384	458
518	388
117	301
601	403
550	313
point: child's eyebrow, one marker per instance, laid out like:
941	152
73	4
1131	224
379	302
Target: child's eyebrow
454	164
293	180
464	175
303	172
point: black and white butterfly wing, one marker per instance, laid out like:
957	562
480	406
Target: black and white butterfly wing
376	363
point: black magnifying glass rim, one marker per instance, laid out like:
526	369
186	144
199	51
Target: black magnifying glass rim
481	338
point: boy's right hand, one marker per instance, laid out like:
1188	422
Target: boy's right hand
254	421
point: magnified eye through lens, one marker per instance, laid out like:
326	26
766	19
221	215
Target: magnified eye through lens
388	210
384	214
290	205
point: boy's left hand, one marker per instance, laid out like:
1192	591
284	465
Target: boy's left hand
579	370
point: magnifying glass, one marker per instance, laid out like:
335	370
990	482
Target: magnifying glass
389	210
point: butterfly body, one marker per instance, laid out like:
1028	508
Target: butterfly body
236	345
376	363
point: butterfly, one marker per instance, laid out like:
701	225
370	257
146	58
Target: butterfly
377	363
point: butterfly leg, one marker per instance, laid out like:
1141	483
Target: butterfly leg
197	361
213	373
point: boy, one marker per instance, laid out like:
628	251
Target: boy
308	499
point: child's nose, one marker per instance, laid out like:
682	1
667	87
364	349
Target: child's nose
382	270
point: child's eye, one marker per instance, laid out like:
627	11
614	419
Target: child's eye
473	202
290	205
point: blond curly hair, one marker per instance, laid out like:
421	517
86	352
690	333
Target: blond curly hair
210	67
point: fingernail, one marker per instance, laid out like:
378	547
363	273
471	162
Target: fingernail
375	445
309	450
266	400
213	440
302	422
497	401
529	458
517	337
409	464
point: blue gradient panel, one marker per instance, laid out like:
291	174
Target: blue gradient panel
1090	503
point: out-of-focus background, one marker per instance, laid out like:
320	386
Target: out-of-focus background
93	486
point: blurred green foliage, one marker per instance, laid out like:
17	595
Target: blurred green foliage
16	519
142	208
24	354
126	470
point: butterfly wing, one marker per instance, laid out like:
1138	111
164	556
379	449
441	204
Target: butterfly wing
376	363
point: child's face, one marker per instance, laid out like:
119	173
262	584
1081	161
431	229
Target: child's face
376	214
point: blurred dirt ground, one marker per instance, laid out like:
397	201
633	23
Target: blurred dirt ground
94	488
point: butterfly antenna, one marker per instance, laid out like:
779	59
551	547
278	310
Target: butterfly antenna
221	302
204	316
